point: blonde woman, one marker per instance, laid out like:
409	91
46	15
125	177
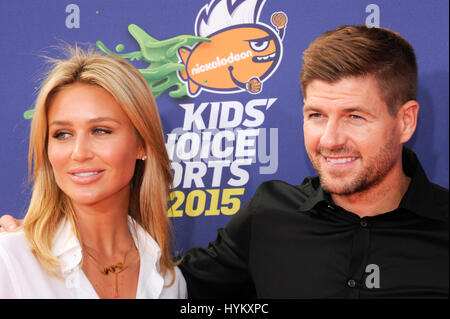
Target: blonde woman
96	226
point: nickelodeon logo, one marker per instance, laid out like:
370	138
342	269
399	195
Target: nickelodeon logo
222	62
241	52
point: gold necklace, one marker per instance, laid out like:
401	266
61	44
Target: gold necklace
115	269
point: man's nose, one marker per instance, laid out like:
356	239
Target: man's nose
334	135
82	149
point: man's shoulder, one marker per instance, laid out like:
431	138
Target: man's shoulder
275	191
308	186
440	191
277	196
440	199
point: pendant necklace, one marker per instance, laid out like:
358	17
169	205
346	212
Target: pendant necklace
114	269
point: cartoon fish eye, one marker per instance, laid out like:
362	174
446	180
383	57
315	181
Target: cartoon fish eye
259	45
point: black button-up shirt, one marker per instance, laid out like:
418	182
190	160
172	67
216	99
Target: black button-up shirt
294	242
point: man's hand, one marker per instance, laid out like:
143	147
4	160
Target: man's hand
9	223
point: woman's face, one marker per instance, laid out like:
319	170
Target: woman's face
92	145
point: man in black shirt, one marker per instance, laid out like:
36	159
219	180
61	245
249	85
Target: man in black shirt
371	225
295	242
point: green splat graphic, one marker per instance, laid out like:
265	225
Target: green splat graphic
161	73
120	48
28	115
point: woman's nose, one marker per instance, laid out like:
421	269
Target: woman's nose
81	149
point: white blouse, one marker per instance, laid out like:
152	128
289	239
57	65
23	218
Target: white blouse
22	276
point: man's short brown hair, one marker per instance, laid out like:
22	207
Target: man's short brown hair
359	51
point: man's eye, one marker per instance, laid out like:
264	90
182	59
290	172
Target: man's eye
315	115
356	117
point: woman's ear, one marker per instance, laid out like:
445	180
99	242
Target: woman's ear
141	154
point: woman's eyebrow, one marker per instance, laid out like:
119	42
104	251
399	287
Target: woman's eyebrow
93	120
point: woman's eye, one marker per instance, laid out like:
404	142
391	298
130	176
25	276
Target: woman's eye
101	131
61	135
315	115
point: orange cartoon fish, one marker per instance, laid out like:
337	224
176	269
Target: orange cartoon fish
239	57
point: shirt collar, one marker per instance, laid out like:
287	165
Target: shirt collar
150	283
314	194
66	247
418	199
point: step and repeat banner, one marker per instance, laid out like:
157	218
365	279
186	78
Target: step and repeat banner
232	114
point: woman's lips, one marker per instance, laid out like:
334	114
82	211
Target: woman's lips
85	176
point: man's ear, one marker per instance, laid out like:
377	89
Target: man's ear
407	117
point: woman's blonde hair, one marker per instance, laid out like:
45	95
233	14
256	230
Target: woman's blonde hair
152	180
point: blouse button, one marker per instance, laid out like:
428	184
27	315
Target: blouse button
72	281
76	256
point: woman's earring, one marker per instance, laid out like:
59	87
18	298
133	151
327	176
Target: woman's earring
144	157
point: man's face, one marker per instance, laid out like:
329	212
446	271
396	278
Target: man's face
350	137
